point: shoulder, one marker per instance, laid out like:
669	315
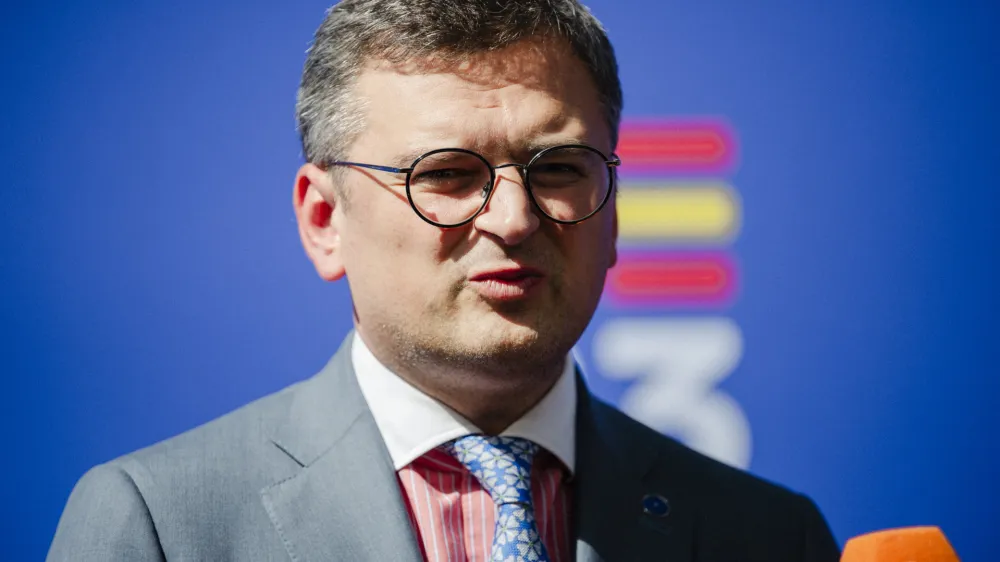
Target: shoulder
698	471
128	507
230	456
727	505
232	449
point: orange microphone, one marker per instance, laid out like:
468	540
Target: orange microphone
909	544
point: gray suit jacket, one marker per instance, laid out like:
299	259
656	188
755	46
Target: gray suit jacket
303	475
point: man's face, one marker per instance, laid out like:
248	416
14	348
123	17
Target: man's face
512	286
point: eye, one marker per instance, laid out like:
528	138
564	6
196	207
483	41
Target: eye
449	179
557	168
557	174
443	174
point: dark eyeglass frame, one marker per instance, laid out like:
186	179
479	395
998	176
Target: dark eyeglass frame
611	162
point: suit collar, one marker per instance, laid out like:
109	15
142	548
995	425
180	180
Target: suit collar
321	409
344	503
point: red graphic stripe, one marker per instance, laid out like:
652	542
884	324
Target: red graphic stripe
672	279
703	146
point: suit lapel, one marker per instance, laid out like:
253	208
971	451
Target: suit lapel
344	503
615	462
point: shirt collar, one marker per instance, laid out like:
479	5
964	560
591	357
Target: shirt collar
412	423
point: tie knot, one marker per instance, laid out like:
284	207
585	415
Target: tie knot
501	464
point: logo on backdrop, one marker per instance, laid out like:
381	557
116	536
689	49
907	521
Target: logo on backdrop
676	276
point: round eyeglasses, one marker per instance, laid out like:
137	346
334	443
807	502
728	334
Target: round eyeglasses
449	187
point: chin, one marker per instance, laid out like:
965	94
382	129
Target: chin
515	339
497	333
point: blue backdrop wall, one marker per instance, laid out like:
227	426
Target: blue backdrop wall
152	276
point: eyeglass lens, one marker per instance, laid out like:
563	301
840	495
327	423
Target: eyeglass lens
567	183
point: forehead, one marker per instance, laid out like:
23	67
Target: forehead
529	94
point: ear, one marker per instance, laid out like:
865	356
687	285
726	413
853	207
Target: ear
315	202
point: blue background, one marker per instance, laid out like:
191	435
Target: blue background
153	278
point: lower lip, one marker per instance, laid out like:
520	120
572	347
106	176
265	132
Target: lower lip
506	289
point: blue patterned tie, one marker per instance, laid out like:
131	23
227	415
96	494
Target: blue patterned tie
503	467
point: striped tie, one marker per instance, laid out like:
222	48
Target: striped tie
503	467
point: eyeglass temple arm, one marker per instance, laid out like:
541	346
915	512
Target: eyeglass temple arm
373	167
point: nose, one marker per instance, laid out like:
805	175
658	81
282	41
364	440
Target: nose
509	214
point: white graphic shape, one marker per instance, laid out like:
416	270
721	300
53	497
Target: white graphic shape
678	364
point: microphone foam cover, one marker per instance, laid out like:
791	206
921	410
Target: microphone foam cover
909	544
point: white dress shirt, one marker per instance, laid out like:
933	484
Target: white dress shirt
412	423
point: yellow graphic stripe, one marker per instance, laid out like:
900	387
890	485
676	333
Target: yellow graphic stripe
708	211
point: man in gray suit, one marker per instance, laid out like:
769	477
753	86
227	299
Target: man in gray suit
460	175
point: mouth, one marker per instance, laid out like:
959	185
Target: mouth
506	283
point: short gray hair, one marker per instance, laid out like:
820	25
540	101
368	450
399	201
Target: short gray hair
357	31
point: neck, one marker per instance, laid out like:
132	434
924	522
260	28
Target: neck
492	408
490	394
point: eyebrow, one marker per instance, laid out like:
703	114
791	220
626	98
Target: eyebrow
524	152
406	160
534	147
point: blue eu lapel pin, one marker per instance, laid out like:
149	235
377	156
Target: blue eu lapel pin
655	505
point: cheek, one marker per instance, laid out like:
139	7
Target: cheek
590	246
398	252
588	256
373	245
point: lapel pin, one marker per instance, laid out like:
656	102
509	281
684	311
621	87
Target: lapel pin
655	505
